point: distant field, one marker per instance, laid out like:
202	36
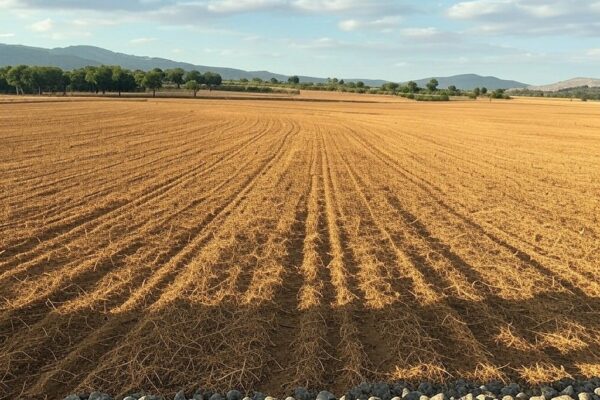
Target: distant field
265	244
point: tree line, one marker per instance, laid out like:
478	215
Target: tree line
23	79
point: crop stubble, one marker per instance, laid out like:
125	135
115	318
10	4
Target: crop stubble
262	244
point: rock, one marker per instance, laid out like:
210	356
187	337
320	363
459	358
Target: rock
257	396
99	396
413	396
508	397
584	396
325	395
568	391
381	390
151	397
301	394
72	397
180	395
426	388
522	396
365	388
247	398
468	396
484	397
563	397
233	395
537	398
548	392
393	398
374	398
495	387
343	397
405	392
270	398
289	398
130	398
439	396
423	397
198	395
215	396
597	391
511	390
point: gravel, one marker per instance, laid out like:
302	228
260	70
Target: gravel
562	390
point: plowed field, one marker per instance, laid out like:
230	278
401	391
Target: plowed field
265	244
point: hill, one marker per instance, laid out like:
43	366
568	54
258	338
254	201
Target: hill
80	56
568	84
471	81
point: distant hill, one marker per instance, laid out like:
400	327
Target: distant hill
568	84
80	56
471	81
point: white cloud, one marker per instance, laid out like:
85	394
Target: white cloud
44	25
143	40
384	24
6	35
530	17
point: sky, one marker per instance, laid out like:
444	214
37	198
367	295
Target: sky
532	41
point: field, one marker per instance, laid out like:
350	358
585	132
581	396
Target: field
270	244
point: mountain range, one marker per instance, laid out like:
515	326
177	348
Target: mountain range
568	84
80	56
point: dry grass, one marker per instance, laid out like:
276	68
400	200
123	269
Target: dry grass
265	244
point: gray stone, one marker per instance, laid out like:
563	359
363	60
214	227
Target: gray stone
99	396
484	397
511	390
413	396
522	396
374	398
289	398
270	398
382	390
343	397
72	397
584	396
257	396
563	397
395	398
537	398
130	398
423	397
548	392
198	395
365	388
508	397
426	388
597	391
301	394
151	397
405	392
180	395
216	396
568	391
325	395
468	396
439	396
247	398
233	395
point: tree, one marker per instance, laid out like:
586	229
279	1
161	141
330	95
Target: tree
257	80
342	82
432	85
153	81
274	81
193	86
77	78
360	84
412	87
212	78
123	80
484	90
4	86
452	89
175	76
100	78
391	86
294	79
16	77
476	92
138	76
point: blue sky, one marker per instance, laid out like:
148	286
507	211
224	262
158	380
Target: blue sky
534	41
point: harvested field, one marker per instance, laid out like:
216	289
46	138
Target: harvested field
263	245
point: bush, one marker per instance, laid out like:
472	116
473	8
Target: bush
432	97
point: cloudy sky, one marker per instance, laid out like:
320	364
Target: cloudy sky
534	41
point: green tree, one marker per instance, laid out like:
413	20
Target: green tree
175	76
484	90
412	87
16	77
476	92
452	89
78	82
257	80
153	81
123	80
432	85
274	81
294	79
138	76
360	84
4	86
193	86
212	78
